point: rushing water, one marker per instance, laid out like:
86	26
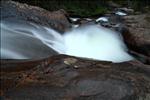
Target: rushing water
23	40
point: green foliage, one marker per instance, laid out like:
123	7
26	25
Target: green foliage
86	7
137	5
75	7
84	10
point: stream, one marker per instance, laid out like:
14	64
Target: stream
25	40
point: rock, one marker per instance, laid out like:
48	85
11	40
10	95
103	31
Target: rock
54	79
137	33
141	57
14	10
127	10
70	61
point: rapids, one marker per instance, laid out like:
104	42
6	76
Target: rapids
25	40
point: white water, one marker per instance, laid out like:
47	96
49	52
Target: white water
105	19
74	19
28	41
120	13
96	42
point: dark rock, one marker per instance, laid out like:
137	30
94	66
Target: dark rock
69	78
115	19
126	10
14	10
141	57
137	33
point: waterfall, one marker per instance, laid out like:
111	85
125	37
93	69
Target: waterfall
25	40
94	41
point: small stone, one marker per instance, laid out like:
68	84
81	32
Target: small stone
76	66
70	61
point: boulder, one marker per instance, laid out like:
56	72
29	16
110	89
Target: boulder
64	77
127	10
137	33
11	10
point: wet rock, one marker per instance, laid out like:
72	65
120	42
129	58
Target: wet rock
137	33
52	79
14	10
126	10
82	21
141	57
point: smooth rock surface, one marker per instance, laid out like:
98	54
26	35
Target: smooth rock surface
81	79
11	10
137	35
